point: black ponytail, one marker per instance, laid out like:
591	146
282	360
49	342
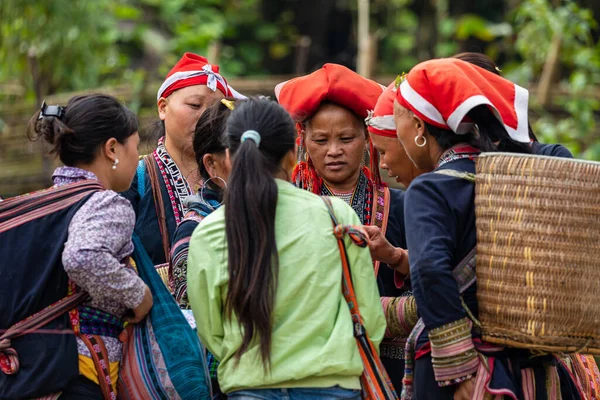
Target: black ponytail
250	206
491	136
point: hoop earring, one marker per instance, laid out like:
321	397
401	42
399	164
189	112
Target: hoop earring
115	163
420	144
306	156
202	192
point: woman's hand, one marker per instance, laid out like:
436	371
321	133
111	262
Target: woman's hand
141	310
464	390
382	250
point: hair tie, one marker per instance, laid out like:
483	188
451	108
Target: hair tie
51	111
252	135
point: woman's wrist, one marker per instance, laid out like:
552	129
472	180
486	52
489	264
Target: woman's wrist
398	259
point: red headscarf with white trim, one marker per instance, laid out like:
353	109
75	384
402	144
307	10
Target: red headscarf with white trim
443	91
381	120
192	70
303	96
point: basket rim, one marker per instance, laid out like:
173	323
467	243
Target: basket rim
521	155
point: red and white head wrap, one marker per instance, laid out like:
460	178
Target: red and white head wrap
381	120
443	91
192	70
303	96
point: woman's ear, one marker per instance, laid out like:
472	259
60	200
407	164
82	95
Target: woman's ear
109	150
419	124
162	108
209	164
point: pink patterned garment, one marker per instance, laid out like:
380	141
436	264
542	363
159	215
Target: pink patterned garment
98	242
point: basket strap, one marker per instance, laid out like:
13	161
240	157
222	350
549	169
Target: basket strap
468	176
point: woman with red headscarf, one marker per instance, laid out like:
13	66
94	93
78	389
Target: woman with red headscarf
435	110
170	174
329	107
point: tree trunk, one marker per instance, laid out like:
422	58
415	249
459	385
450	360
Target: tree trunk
363	64
549	72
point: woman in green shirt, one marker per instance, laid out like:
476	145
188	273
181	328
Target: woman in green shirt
265	275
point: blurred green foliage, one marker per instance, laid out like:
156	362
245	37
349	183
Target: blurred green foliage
64	45
537	22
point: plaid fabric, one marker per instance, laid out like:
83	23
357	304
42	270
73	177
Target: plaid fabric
213	365
96	322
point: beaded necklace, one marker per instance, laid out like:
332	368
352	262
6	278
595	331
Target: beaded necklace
360	199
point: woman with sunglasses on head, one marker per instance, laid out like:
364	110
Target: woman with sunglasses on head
71	244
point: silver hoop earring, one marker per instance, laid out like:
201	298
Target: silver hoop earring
204	186
115	163
420	144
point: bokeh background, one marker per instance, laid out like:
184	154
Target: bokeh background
53	49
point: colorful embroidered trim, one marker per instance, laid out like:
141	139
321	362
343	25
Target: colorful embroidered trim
458	152
400	314
362	199
176	185
453	353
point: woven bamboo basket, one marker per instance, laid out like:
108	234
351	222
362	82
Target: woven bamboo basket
538	252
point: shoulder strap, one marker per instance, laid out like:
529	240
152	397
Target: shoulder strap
347	286
375	381
158	204
9	360
22	209
141	172
468	176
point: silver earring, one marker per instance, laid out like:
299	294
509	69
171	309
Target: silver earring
115	163
420	144
202	191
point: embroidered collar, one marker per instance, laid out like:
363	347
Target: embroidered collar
458	152
361	199
66	175
176	185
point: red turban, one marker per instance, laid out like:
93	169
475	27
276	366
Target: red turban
334	83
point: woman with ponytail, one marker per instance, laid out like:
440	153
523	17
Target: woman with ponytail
265	274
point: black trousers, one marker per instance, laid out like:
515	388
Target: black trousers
81	388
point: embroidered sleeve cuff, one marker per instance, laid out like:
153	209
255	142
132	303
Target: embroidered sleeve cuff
452	352
400	314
